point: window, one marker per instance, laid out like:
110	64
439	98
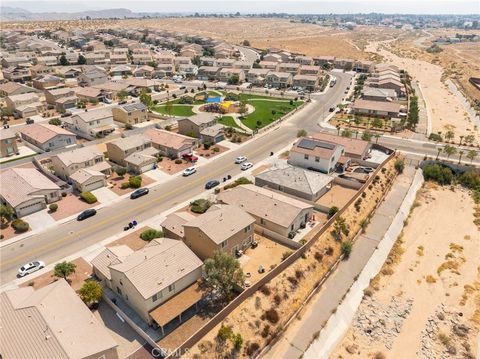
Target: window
121	283
223	244
50	144
262	221
247	228
119	291
171	287
317	159
305	157
154	298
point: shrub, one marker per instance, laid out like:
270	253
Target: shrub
293	281
252	348
20	226
149	234
125	185
399	165
53	207
224	333
379	355
442	175
332	211
318	256
265	290
216	149
64	194
200	205
207	145
237	341
135	181
178	161
266	331
120	171
302	133
277	299
88	197
286	254
128	126
238	182
272	316
329	251
346	248
55	122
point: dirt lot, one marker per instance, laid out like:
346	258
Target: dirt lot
82	272
433	273
337	196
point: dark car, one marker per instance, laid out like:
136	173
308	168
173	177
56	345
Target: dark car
66	114
29	121
86	214
212	183
139	193
331	109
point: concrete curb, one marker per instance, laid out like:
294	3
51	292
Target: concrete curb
339	322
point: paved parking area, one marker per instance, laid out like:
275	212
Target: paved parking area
104	195
39	220
157	175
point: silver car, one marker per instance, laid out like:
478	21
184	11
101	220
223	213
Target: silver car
31	267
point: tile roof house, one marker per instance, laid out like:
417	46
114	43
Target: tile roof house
131	113
48	81
8	143
376	108
274	213
172	226
207	73
13	88
121	151
61	98
315	154
149	277
203	126
51	322
224	228
24	105
93	77
92	123
378	94
354	148
308	82
26	190
226	74
295	181
257	76
279	79
47	137
171	144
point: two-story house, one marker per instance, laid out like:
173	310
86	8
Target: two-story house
131	113
257	76
24	105
315	154
279	79
203	126
307	82
92	123
62	98
8	143
133	152
228	74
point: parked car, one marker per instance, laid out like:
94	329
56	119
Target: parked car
240	159
246	166
30	268
190	157
331	109
139	193
212	183
189	171
183	87
66	114
86	214
29	121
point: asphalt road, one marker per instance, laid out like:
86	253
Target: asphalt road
68	238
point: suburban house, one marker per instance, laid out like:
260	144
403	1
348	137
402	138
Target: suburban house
62	98
93	77
146	279
13	88
93	123
172	226
378	94
346	64
381	109
309	70
315	154
224	228
26	190
257	76
290	67
226	74
203	126
275	213
295	181
47	137
207	73
24	105
8	143
131	113
137	148
304	60
354	148
171	144
270	65
187	69
144	71
90	94
58	323
121	70
388	82
307	82
85	167
17	73
225	63
279	79
44	82
164	70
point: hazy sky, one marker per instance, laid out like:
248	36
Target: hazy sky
252	6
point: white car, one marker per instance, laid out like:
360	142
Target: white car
189	171
240	159
246	166
30	268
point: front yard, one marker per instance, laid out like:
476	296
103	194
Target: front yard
211	152
169	166
70	205
116	183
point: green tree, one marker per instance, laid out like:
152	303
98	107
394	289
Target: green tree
460	155
449	150
91	292
234	80
120	171
196	61
332	211
122	95
347	248
64	269
399	165
469	139
55	122
302	133
6	212
152	64
146	99
471	155
63	60
347	133
223	272
340	227
439	150
377	123
81	60
449	135
367	136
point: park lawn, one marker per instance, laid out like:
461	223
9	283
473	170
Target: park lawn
228	121
263	110
177	110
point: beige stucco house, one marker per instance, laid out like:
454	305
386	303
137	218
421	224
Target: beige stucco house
131	113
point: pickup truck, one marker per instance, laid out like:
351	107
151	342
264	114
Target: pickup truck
190	157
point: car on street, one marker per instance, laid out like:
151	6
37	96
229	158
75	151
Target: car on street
189	171
86	214
183	87
212	183
30	268
190	157
139	193
246	166
240	159
331	109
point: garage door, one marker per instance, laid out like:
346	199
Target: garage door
29	209
94	185
147	167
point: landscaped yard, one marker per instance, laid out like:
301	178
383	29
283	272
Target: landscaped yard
228	121
117	181
175	110
267	109
363	122
169	166
70	205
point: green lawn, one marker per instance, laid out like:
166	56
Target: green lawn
228	121
263	116
177	110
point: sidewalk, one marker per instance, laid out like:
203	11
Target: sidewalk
298	337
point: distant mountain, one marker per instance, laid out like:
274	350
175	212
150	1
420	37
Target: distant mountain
16	14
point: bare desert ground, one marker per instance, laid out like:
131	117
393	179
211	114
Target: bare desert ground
425	303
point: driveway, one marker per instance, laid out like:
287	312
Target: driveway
104	195
39	220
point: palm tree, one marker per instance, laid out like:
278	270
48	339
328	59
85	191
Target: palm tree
460	153
461	139
471	155
377	136
449	150
449	135
439	150
338	130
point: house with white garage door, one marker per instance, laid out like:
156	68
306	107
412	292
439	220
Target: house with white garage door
83	167
26	190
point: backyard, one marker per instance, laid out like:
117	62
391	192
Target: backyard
174	110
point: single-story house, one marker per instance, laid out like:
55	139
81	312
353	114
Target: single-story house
171	144
376	108
47	137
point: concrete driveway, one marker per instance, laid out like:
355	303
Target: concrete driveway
104	195
39	220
